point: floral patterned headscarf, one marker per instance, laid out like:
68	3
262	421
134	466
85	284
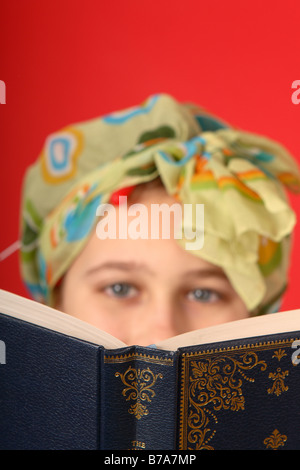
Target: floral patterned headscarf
238	176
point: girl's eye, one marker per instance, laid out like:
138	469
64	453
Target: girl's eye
121	290
203	295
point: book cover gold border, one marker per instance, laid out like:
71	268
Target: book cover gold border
212	381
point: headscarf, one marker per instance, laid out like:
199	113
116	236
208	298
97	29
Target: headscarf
240	178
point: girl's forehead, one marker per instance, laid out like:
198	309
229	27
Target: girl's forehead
146	258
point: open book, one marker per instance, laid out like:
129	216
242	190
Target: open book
65	384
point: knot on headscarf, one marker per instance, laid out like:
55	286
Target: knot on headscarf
239	177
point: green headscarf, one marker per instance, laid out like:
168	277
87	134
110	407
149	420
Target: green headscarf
238	176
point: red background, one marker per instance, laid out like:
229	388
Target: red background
65	61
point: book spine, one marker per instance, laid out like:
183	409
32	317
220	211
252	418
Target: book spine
140	399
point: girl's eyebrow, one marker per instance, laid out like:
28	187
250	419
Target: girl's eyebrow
206	272
130	266
119	265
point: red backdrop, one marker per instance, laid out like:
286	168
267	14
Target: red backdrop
65	61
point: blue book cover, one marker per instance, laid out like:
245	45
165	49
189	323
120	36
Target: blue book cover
67	385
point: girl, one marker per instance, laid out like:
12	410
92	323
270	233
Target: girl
139	288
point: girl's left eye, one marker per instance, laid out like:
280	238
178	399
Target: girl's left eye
121	290
203	295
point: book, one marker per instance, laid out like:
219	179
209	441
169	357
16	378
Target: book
65	384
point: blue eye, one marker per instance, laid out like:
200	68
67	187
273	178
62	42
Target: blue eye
203	295
121	290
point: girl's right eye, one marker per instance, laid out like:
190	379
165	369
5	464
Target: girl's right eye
204	295
121	290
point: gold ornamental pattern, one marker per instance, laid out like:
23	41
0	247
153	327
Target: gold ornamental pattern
275	441
278	377
139	384
216	382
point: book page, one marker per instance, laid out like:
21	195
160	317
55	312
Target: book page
272	323
47	317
